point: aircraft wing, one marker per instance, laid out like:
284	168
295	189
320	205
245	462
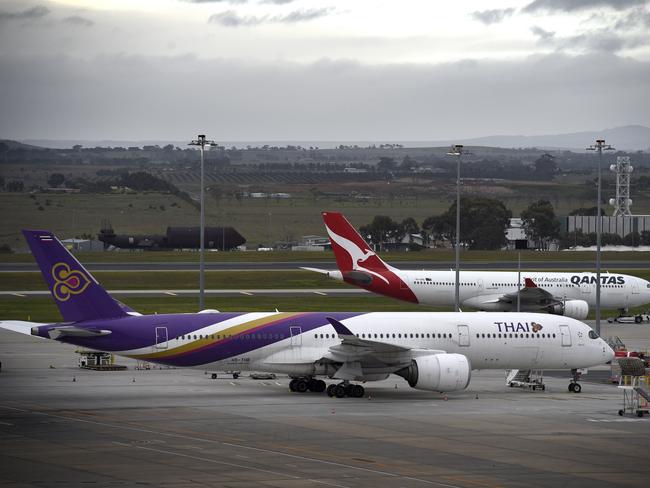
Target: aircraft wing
356	353
531	293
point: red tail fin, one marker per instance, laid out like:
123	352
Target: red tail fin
350	250
359	264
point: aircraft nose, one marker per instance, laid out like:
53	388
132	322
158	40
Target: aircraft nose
608	352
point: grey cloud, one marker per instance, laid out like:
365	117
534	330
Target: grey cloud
36	12
79	21
64	97
544	35
639	17
230	18
492	16
574	5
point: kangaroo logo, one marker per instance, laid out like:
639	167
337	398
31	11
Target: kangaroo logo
67	282
357	255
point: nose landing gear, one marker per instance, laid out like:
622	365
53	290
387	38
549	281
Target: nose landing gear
574	386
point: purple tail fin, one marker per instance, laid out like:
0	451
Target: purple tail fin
77	294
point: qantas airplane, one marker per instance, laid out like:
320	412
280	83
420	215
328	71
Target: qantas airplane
432	351
569	294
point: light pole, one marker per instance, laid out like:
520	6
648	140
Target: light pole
457	150
202	142
600	146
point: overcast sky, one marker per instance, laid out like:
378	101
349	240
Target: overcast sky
380	70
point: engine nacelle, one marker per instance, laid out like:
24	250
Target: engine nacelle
577	309
438	372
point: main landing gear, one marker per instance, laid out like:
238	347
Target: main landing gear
301	385
574	386
345	389
341	390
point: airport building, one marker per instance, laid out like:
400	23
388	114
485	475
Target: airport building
621	225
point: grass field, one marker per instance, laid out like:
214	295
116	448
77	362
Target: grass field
44	310
268	220
165	280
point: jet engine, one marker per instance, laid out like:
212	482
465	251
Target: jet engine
577	309
438	372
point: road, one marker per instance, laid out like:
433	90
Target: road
289	265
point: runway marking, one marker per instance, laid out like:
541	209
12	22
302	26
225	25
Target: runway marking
617	420
240	446
320	293
171	293
326	483
21	295
246	293
208	460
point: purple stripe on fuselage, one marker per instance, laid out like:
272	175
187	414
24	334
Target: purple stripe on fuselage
239	344
135	332
139	332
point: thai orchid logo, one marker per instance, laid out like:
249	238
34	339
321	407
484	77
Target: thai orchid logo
536	327
67	282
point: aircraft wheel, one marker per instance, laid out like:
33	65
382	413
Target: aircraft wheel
301	386
638	319
292	384
339	391
358	391
577	388
620	412
331	390
319	386
543	387
572	386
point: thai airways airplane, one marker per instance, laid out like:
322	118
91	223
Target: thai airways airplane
432	351
569	294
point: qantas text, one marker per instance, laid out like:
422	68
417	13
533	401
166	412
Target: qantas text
604	280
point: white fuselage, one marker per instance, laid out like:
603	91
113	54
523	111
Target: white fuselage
488	340
437	287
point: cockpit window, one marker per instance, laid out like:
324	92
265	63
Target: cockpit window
648	285
593	334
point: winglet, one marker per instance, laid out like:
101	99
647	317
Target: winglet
528	283
340	329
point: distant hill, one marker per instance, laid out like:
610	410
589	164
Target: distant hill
626	138
17	145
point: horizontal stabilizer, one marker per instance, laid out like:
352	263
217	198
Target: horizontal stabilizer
19	326
72	331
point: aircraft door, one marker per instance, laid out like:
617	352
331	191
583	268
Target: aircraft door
296	335
635	289
585	288
161	337
565	333
479	282
463	335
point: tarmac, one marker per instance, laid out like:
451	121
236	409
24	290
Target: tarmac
61	426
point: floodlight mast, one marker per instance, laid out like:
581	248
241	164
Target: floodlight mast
600	146
457	150
201	142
